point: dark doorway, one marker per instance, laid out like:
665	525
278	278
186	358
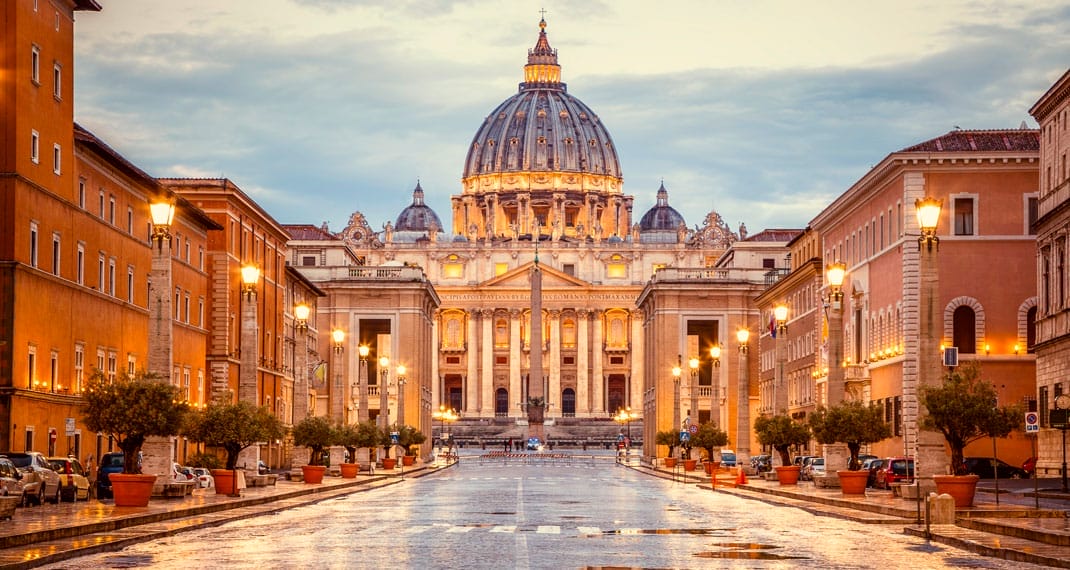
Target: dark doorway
615	393
501	403
452	386
568	403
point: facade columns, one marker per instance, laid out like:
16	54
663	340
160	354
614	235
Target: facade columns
554	395
583	400
436	345
598	381
635	383
471	379
486	402
514	358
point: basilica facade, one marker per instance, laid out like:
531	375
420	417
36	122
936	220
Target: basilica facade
541	181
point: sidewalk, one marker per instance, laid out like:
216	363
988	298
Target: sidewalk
1010	530
37	536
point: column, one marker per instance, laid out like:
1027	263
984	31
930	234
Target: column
743	430
436	384
514	359
300	403
837	456
486	403
471	381
635	384
598	381
554	395
583	400
247	370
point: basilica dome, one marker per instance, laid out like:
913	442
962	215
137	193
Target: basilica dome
662	217
418	217
543	129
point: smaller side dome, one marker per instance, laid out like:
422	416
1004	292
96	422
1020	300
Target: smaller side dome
418	217
662	217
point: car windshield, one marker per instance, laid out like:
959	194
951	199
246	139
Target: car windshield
901	466
113	461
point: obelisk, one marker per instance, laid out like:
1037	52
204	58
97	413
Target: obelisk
536	403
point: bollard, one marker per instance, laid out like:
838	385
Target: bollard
940	509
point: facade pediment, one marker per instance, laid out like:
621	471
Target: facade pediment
521	277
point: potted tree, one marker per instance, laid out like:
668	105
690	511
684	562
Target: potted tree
317	433
232	427
854	424
709	437
962	409
671	439
409	438
130	409
349	438
781	432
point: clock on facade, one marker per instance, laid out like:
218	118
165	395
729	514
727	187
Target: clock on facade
1062	402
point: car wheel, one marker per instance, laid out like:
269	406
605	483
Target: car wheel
56	497
40	498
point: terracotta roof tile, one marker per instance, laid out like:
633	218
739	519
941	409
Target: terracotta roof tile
309	232
988	140
775	235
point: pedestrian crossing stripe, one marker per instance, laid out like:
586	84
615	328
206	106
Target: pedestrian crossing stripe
547	529
504	528
460	529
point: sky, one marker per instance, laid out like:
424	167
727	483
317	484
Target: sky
763	110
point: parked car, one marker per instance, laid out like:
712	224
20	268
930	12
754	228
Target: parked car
814	468
10	479
761	463
109	463
39	482
862	458
262	468
74	485
180	473
982	467
1030	465
204	478
804	466
800	459
894	470
534	444
871	465
728	458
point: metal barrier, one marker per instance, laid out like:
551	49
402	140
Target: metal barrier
507	458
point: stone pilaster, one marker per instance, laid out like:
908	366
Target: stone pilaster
514	359
486	401
554	393
638	348
598	381
471	396
583	381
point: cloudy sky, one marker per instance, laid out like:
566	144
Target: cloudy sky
764	110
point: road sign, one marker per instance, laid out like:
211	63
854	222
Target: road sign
685	437
693	429
1032	422
70	427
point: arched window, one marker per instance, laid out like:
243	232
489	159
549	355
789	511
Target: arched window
501	402
965	335
568	402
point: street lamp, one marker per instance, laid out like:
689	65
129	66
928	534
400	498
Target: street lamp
338	337
780	392
676	371
743	400
835	390
444	415
301	312
930	457
625	416
384	412
693	363
250	276
362	406
161	322
401	394
163	215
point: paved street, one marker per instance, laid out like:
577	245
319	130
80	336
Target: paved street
589	514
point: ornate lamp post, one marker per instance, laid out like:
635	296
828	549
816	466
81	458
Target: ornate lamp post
676	371
384	411
780	390
693	414
250	276
300	405
715	385
625	416
338	339
401	394
930	457
835	454
159	451
743	401
444	415
362	405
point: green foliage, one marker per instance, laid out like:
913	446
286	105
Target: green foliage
316	433
781	432
205	460
670	438
355	436
233	427
409	437
131	409
853	423
708	437
963	409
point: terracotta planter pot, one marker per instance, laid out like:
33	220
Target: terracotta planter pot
408	460
853	482
130	490
313	473
225	481
690	464
389	463
349	470
787	475
670	462
712	466
960	487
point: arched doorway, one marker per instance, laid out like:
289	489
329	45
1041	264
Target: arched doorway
501	402
615	392
568	402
